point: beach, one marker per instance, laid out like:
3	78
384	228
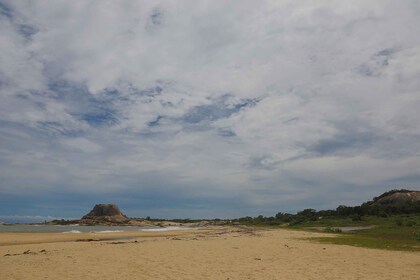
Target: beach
213	253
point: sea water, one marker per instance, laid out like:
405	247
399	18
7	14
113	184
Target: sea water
79	229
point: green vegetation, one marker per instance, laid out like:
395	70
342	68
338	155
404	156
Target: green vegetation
395	232
342	215
386	235
396	226
62	222
333	230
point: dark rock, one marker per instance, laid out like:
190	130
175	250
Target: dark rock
87	240
106	213
101	210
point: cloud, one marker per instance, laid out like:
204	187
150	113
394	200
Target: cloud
82	144
264	104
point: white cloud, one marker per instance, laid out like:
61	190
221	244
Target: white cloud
208	99
83	145
359	170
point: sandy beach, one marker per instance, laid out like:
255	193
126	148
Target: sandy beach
219	253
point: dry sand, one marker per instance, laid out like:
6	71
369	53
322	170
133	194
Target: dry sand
223	253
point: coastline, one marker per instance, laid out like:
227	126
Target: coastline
21	238
211	253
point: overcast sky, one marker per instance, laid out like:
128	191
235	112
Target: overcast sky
206	109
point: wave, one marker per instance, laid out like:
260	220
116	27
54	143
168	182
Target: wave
106	231
72	231
165	229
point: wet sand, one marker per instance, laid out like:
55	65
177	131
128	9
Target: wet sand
218	253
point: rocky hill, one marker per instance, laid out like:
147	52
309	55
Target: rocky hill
393	202
110	215
103	213
397	198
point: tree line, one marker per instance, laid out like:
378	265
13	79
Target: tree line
370	208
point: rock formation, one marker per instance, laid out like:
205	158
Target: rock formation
398	198
105	213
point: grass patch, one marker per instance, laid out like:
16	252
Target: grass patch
395	220
390	235
370	242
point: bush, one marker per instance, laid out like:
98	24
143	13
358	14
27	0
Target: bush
410	223
383	215
295	222
399	222
332	230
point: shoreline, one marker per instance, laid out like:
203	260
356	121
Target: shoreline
24	238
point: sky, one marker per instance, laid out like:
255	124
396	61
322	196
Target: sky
206	109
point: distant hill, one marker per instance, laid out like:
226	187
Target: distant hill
105	212
397	198
393	202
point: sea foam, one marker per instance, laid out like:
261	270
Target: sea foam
165	229
107	231
73	231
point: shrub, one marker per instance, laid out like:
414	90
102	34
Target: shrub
399	222
410	223
332	230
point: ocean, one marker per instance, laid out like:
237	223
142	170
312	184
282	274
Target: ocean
79	229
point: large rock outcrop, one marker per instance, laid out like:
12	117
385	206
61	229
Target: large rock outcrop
398	198
105	213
